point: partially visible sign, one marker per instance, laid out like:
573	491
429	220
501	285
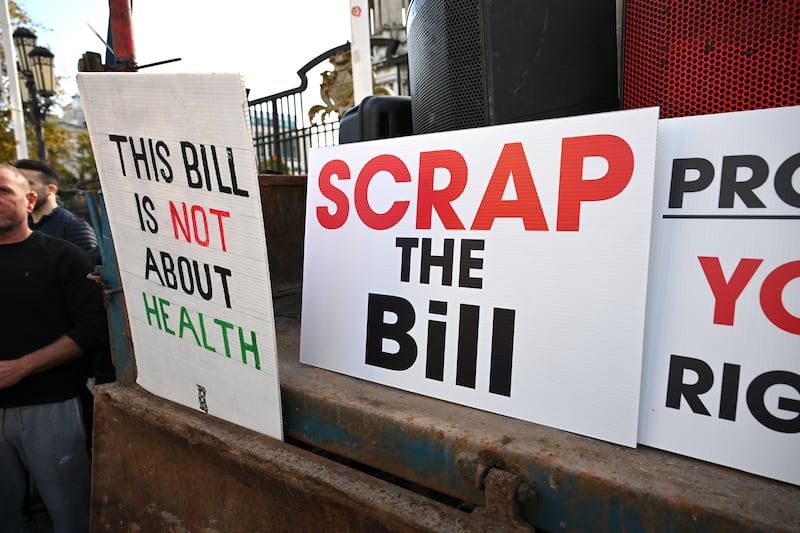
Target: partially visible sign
502	268
721	380
177	169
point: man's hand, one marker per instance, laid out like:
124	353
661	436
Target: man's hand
60	351
12	372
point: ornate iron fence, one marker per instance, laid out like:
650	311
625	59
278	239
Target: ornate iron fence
283	132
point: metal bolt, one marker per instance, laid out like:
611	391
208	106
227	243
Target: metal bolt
525	493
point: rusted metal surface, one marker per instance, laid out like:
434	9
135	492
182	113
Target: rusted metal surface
504	494
283	205
580	484
161	467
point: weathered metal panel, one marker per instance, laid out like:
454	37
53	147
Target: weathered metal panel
580	484
283	205
119	332
159	466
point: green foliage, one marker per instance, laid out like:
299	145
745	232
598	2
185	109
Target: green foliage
8	150
85	157
69	151
19	17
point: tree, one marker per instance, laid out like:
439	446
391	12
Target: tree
63	147
8	151
84	158
59	149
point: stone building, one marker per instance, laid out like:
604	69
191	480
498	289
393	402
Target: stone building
388	20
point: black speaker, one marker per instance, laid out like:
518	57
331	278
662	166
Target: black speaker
481	62
376	117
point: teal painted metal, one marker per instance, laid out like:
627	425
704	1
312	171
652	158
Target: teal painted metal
94	216
121	348
580	484
414	455
444	450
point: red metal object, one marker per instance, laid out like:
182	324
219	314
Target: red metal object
122	32
696	57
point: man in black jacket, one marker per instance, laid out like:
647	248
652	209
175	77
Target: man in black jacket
49	217
51	316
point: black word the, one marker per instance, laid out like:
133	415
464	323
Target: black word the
467	263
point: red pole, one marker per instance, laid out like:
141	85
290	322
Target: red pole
122	34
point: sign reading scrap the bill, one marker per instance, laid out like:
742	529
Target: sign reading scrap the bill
721	377
502	268
178	175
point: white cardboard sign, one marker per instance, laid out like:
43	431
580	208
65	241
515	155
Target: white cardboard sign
721	378
503	268
177	169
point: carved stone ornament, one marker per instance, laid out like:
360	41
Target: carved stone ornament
336	89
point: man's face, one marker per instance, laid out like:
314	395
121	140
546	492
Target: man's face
16	200
37	184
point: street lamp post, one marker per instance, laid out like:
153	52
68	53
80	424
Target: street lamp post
38	87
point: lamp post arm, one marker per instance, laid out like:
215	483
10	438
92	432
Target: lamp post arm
40	112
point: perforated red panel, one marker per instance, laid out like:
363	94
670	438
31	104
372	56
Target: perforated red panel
694	57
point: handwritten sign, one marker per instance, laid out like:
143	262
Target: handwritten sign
721	378
178	176
502	268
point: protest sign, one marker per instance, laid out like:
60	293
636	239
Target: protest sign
721	377
178	176
502	268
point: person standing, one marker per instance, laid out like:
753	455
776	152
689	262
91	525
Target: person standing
47	216
52	315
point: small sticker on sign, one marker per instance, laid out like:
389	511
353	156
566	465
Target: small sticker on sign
201	397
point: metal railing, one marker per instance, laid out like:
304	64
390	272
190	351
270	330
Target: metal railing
282	132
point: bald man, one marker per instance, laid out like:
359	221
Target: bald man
51	316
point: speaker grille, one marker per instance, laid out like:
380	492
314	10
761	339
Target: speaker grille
694	57
446	65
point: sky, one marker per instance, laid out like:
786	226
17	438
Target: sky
266	42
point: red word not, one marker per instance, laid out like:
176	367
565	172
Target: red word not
726	292
198	229
512	166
